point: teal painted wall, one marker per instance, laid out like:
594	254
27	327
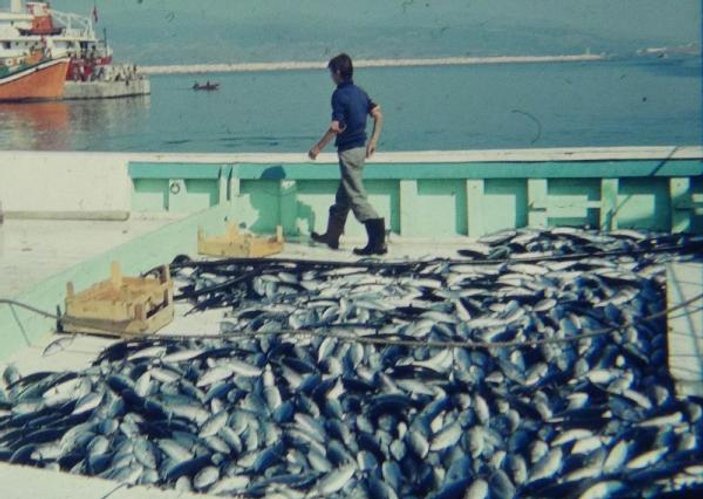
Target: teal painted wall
150	195
697	202
643	203
505	204
259	205
439	209
437	199
569	202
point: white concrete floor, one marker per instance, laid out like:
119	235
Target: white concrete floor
23	482
398	248
33	250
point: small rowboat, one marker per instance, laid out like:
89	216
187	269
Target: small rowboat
206	86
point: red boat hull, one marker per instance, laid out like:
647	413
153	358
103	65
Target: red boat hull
43	81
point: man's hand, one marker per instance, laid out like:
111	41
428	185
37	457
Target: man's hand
370	148
334	129
313	152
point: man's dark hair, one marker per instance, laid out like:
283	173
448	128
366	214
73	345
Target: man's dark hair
343	64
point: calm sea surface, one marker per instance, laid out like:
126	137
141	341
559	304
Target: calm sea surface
609	103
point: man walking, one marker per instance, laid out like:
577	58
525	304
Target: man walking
350	107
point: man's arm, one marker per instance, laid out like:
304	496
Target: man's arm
377	116
334	129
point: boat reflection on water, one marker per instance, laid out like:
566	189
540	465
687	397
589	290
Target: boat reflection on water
40	125
99	124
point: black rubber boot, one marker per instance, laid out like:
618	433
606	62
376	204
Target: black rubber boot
335	228
376	231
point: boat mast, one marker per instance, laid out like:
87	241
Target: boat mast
16	6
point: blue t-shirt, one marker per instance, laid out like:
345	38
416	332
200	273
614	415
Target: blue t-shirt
350	106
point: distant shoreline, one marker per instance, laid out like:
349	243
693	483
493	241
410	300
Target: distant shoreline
364	63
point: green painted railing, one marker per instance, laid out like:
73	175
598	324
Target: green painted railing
655	190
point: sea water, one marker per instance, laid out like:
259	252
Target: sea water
629	102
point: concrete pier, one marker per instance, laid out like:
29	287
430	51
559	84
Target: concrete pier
106	89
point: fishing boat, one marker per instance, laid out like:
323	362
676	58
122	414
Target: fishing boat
24	79
62	34
587	341
31	28
29	69
207	86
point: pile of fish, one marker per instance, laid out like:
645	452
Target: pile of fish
535	366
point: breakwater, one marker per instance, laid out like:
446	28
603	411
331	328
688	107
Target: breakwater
364	63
